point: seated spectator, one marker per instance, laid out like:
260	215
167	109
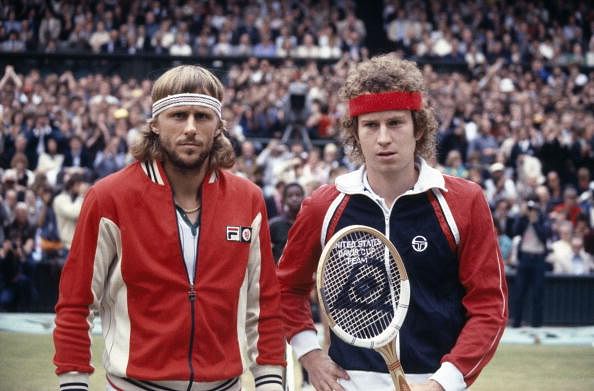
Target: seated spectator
580	261
265	48
499	185
454	165
76	155
244	47
13	43
246	163
203	47
180	47
50	243
99	37
223	47
553	183
50	161
20	171
561	250
329	42
569	209
285	39
111	159
308	48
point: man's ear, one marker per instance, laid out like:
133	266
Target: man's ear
154	128
419	134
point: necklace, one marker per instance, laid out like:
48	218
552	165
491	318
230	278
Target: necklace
189	211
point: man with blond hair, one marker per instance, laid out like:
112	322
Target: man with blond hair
174	252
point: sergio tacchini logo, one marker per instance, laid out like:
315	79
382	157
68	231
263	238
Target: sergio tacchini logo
419	243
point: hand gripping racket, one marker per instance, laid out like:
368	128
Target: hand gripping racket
364	292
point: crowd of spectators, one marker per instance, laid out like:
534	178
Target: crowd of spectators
475	32
468	31
302	29
523	131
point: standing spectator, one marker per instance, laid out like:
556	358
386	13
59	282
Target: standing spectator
67	207
293	195
532	227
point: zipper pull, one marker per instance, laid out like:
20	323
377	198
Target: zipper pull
192	293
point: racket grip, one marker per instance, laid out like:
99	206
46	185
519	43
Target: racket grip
402	384
398	376
388	352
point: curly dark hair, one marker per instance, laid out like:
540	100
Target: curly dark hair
386	73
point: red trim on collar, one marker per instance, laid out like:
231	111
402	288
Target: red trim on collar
384	101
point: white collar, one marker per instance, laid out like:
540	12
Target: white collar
355	182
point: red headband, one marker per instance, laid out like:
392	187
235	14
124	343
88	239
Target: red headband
384	101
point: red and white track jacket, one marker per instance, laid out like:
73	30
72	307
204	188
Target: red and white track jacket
160	329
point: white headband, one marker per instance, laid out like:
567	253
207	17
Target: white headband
187	99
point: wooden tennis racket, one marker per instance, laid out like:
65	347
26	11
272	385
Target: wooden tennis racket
364	292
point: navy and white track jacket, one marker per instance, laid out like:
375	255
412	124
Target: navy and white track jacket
444	232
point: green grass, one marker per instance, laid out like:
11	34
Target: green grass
25	365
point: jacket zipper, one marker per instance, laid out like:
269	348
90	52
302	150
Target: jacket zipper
191	297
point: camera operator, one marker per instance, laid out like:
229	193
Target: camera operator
16	265
297	110
533	228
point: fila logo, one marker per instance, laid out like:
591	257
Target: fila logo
239	234
419	243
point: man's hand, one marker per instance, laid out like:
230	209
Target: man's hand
430	385
323	372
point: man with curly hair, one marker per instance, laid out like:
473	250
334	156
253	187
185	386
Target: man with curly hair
441	226
174	253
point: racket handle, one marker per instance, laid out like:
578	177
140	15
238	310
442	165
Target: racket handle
398	377
388	352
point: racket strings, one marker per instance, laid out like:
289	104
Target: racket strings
361	285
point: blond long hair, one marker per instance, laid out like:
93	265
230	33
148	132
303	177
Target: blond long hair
186	79
386	73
